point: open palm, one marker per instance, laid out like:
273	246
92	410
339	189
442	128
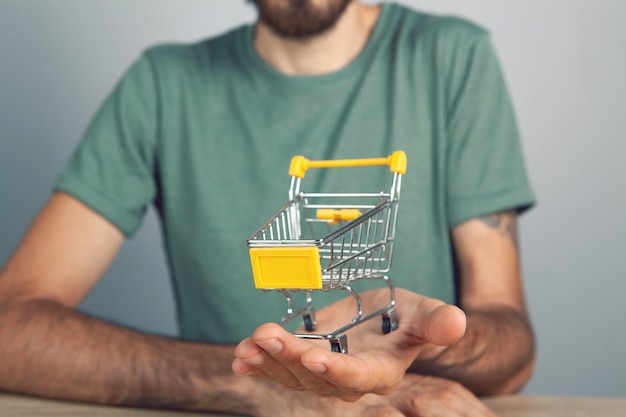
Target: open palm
377	362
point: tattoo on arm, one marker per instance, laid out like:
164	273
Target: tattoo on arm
505	223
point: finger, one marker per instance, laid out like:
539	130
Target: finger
375	372
247	353
249	371
252	360
283	352
241	368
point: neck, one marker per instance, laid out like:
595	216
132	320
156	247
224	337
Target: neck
321	54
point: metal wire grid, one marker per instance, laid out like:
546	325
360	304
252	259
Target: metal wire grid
357	250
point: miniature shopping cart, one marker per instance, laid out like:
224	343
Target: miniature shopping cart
325	241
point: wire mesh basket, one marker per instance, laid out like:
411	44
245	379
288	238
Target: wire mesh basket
324	241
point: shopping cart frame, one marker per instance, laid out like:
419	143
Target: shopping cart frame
279	252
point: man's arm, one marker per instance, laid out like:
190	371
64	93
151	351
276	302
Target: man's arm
49	349
496	354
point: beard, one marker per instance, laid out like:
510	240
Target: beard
300	19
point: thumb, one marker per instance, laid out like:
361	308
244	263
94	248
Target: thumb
438	323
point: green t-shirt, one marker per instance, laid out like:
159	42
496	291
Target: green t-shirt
205	133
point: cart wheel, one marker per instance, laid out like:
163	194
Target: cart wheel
309	323
386	325
339	344
390	322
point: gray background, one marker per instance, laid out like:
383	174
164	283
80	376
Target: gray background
565	63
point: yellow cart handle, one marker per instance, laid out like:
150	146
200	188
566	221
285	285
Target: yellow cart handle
334	216
396	161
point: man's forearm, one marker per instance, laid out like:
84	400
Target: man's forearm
495	355
50	350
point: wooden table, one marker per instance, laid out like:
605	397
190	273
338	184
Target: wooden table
539	406
507	406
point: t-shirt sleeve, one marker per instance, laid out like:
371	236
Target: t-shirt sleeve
112	169
485	167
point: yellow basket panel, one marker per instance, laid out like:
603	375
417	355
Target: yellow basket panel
286	268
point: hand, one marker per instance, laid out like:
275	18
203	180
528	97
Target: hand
277	401
376	363
416	396
428	396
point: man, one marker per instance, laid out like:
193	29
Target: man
199	132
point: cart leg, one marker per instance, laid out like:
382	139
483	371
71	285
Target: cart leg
289	299
390	321
339	343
